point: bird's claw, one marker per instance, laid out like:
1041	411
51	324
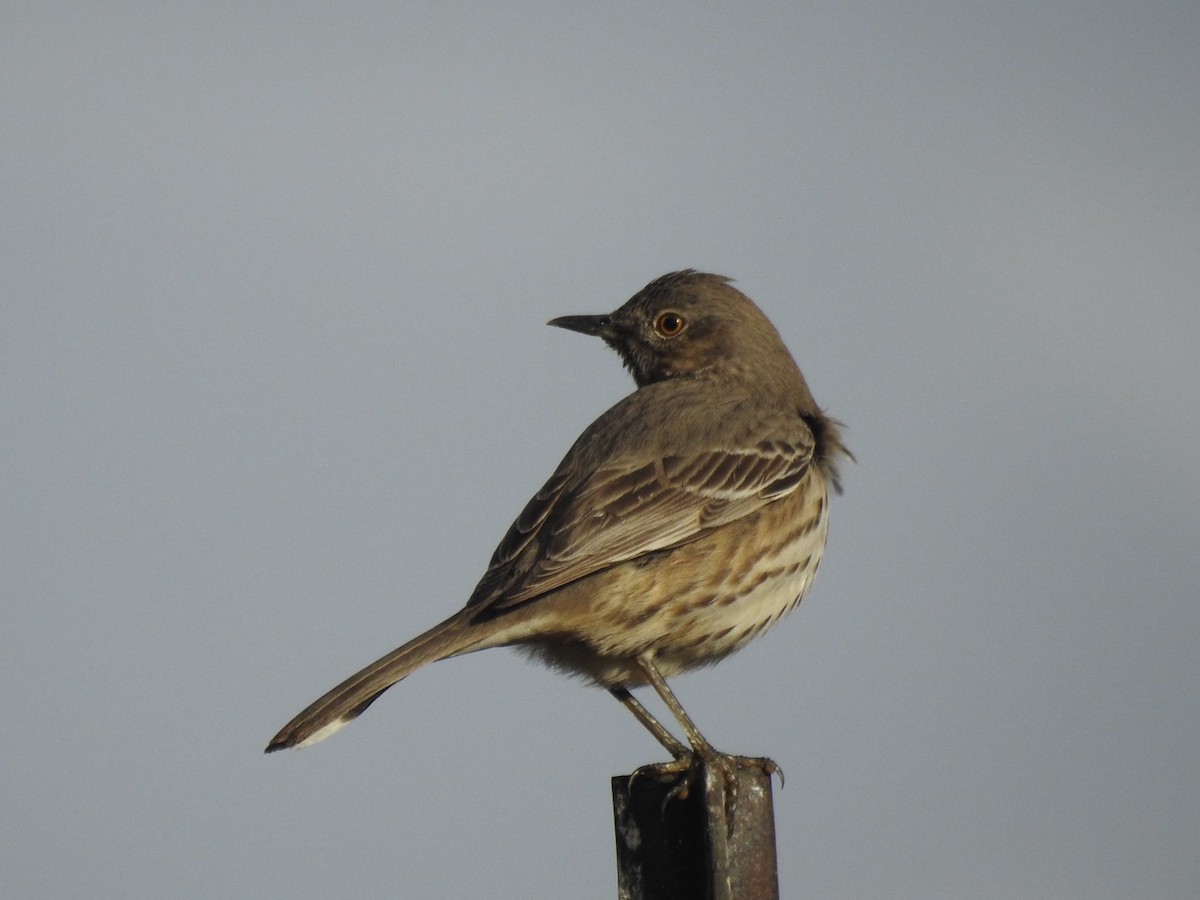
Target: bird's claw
728	766
684	768
679	769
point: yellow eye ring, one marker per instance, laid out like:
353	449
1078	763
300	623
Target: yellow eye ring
669	324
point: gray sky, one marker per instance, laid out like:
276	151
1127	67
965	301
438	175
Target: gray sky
276	380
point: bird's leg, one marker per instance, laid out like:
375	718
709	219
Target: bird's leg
702	750
684	759
655	727
699	744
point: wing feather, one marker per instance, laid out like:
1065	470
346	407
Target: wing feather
580	523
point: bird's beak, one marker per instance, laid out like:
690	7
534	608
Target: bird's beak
601	326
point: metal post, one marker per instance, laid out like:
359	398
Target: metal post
683	847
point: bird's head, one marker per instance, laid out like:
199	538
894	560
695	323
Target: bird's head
683	324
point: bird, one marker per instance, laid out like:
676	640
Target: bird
685	521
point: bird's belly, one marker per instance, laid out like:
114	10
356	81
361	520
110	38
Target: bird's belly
702	603
730	620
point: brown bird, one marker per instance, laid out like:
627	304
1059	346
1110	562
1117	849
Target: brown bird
684	521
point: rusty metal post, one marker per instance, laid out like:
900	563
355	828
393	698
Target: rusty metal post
683	847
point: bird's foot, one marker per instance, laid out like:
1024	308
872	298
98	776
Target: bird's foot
680	770
684	769
728	767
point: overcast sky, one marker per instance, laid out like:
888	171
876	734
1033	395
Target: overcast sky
275	380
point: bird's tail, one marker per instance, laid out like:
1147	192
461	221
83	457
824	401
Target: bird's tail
346	702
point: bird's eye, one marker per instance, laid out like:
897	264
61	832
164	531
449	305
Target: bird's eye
669	324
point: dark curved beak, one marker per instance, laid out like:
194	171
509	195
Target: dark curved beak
601	326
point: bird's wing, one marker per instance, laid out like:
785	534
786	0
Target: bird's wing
581	523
